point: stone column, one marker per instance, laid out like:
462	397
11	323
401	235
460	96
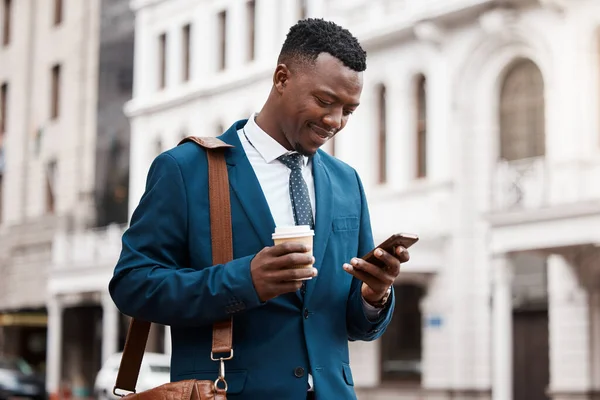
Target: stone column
110	327
502	382
54	346
570	332
595	338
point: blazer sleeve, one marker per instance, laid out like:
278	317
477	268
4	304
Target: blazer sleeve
358	324
152	280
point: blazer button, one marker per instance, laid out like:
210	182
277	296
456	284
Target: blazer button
306	313
299	372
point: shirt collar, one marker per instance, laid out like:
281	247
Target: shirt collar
268	148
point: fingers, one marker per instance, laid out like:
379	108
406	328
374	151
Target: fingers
290	261
280	269
286	248
289	280
376	277
293	274
402	254
368	268
370	280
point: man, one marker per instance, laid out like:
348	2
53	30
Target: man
290	341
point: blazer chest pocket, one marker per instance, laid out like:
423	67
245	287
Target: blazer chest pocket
342	224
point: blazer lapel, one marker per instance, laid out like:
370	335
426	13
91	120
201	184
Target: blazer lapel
246	187
324	217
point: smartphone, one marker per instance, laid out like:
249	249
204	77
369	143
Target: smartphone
398	239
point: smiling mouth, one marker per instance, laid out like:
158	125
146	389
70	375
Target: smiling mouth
325	134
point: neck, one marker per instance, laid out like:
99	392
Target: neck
267	121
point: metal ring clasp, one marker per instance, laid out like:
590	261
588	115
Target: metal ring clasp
221	377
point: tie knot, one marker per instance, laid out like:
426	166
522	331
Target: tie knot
293	161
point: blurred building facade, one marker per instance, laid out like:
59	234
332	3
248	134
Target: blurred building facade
66	70
478	130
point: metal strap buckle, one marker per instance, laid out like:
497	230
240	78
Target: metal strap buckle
221	377
229	357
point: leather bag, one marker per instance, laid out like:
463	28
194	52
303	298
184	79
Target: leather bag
222	252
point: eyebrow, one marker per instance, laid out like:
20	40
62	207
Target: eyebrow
335	98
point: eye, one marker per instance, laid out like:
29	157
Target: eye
348	112
323	102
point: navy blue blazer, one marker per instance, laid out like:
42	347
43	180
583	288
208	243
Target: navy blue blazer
165	275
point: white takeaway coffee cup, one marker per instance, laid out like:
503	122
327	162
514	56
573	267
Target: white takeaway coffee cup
296	234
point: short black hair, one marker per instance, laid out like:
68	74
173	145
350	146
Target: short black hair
313	36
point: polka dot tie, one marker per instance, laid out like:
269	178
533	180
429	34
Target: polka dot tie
298	190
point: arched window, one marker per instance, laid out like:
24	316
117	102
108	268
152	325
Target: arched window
382	134
522	118
421	101
401	344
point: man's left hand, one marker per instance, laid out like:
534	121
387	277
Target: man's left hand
377	280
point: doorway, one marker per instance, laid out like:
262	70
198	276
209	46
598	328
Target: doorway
531	360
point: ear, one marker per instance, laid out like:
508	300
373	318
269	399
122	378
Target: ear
281	78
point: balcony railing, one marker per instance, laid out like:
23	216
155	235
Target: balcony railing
520	184
88	249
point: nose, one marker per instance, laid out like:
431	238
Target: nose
333	120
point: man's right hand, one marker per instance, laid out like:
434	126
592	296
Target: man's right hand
274	270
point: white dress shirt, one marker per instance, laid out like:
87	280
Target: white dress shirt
274	178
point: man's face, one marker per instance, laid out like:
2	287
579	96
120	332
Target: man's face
316	101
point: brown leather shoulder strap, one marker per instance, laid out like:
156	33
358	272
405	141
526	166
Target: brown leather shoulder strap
222	252
206	142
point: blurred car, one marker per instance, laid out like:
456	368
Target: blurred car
155	371
17	379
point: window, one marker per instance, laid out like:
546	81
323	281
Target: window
50	187
186	52
55	92
162	61
302	9
125	80
7	22
3	108
58	12
1	184
401	344
382	134
223	40
421	127
522	115
251	13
